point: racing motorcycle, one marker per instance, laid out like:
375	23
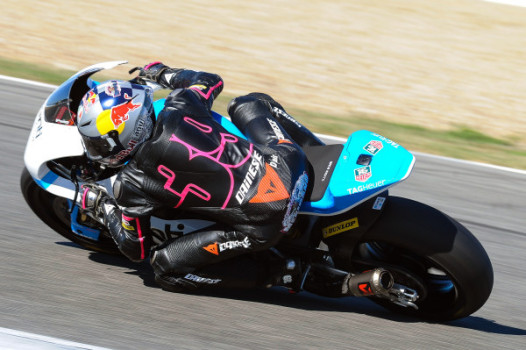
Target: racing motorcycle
412	258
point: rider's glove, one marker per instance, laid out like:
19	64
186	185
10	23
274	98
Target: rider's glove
152	72
92	199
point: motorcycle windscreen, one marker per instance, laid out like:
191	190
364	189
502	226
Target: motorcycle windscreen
54	134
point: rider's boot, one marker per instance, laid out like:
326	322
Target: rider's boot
287	273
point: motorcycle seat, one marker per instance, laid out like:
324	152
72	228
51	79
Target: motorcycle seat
322	161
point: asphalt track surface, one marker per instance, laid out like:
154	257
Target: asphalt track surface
51	287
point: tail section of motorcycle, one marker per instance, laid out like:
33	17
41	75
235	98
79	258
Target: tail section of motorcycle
440	270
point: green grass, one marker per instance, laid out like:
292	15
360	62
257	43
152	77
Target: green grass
460	142
31	71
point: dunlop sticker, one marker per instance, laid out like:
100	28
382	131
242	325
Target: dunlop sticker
340	227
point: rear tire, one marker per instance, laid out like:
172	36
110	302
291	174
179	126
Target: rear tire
431	253
53	211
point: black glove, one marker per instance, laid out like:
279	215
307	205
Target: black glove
150	73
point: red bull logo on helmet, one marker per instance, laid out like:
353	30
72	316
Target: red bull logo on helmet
114	118
120	113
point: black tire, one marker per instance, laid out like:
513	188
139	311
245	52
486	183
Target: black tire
53	211
431	253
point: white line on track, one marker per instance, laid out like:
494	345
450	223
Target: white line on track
334	138
28	82
16	340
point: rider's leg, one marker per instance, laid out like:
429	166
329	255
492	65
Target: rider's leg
218	259
299	133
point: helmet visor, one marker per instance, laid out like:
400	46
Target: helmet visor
103	148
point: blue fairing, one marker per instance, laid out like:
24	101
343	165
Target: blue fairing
158	106
80	229
47	180
352	183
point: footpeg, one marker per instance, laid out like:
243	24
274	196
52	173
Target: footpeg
375	282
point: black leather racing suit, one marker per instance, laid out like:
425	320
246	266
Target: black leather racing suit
193	166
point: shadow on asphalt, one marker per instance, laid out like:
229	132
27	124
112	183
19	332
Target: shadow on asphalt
304	300
485	325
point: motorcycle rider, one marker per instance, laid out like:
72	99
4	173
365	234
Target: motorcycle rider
185	163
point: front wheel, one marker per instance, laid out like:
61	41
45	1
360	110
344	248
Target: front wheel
53	211
431	254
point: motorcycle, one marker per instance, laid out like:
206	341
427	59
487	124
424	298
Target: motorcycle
412	258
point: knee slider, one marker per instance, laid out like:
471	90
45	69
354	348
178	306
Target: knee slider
162	263
159	262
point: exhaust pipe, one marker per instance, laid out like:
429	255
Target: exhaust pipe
375	282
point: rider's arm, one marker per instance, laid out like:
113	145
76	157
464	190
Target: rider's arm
132	234
207	85
129	227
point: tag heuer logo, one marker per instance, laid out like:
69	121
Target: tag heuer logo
362	174
374	147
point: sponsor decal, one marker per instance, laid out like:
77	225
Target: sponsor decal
113	89
287	116
59	118
329	166
139	136
374	146
217	248
87	101
386	140
271	188
253	170
115	118
124	153
91	98
120	113
38	126
296	198
274	161
212	248
362	174
127	226
366	187
199	279
379	203
278	132
365	288
340	227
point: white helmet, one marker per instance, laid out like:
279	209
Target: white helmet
114	118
